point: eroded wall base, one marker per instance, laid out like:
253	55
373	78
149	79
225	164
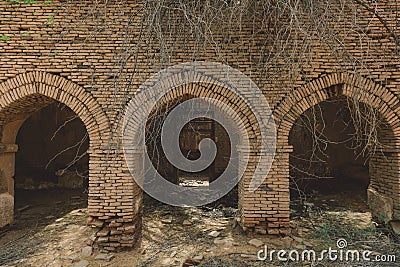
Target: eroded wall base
6	209
116	234
380	205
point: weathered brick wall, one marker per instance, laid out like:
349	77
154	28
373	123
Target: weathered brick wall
72	53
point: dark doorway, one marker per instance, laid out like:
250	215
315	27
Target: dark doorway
330	160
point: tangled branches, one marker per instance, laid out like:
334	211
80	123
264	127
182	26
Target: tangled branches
280	44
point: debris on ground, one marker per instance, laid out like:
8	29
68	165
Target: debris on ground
50	234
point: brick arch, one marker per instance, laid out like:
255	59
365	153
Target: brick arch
204	81
353	86
28	92
215	92
50	86
384	188
185	82
202	87
219	93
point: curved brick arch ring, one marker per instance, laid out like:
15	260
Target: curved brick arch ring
216	92
384	184
177	79
63	91
353	86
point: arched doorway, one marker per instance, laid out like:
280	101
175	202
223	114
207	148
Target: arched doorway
218	83
333	143
50	180
383	190
161	220
52	143
190	137
26	94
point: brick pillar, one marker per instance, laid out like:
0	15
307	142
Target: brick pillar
8	148
278	181
267	209
247	219
7	167
115	201
7	160
384	188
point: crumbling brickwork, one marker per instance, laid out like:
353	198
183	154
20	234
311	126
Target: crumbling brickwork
57	53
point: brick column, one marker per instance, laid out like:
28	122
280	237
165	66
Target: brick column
7	167
8	148
267	209
384	188
115	201
7	160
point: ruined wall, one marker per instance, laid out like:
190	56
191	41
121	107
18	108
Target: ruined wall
77	55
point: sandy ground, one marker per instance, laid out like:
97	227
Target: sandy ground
50	230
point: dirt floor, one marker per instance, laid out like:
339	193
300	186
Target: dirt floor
50	230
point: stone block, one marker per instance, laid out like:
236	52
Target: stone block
6	209
380	205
